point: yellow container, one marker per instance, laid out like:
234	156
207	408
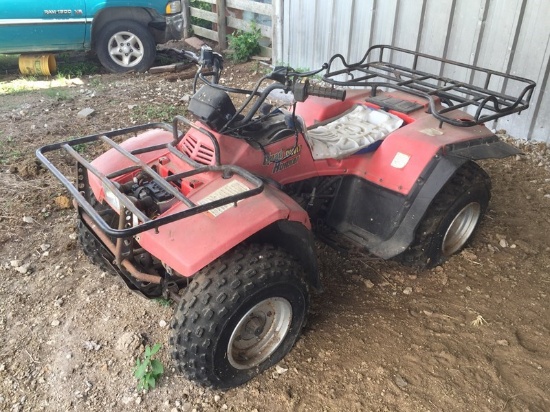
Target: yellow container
37	64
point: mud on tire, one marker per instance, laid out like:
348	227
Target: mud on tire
452	218
240	315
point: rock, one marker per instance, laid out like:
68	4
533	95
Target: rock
63	202
128	343
162	323
408	290
194	42
280	370
401	382
138	400
85	113
15	263
503	342
91	345
23	269
469	255
28	219
55	322
368	284
503	243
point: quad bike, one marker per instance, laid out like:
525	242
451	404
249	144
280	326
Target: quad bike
223	217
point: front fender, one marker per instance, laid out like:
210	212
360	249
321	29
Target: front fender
190	244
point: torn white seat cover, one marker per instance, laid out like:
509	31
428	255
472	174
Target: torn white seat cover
354	130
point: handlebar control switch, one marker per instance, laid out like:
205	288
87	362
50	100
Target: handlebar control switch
300	91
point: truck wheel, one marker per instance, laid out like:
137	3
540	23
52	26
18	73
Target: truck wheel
452	218
125	45
239	316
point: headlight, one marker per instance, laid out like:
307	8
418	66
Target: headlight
111	199
173	7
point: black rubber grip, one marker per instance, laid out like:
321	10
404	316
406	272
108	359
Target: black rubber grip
327	92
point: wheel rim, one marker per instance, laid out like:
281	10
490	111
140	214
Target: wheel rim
461	228
126	49
259	333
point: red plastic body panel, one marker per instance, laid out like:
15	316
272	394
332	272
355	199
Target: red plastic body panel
396	165
189	244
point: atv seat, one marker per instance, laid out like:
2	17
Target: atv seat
359	129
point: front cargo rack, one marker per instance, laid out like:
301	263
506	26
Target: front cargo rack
81	191
483	93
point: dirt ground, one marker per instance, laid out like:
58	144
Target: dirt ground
473	334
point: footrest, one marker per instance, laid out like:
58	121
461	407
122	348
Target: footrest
391	103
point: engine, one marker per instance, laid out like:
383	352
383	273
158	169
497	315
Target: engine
149	196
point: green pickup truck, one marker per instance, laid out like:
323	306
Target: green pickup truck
124	34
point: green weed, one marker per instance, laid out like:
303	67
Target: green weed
69	70
8	154
155	113
58	94
163	302
148	370
243	44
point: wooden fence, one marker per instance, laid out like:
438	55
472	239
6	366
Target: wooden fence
229	15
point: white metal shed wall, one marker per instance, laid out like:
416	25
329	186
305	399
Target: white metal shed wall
511	36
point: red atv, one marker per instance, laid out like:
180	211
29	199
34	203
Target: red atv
221	218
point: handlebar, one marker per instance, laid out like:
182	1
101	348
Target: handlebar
303	90
327	92
286	79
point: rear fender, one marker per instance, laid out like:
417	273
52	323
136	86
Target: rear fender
409	209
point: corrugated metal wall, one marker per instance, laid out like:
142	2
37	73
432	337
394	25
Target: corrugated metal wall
511	36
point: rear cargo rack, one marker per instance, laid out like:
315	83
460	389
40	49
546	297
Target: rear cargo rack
80	190
484	94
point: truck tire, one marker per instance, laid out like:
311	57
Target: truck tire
452	218
239	316
124	46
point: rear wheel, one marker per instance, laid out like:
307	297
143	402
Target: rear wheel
451	220
240	315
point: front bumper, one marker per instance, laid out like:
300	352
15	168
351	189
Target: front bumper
168	29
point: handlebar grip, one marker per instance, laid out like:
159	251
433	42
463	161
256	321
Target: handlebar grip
327	92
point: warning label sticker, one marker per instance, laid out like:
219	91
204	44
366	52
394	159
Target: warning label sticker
230	189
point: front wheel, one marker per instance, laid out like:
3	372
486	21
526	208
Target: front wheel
451	219
240	315
125	45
